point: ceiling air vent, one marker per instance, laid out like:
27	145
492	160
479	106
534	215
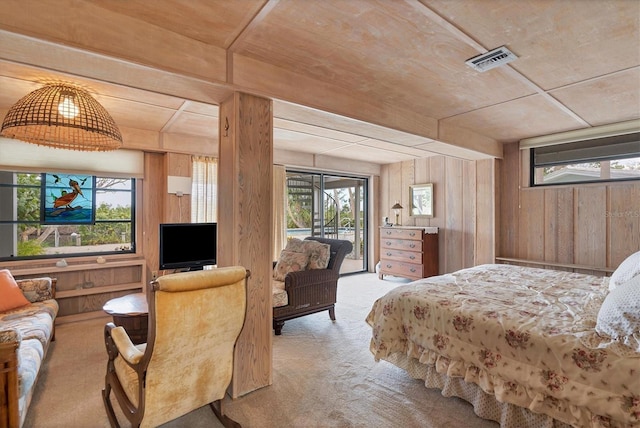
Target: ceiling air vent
491	59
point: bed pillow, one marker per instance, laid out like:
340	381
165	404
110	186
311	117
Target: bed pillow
629	268
319	254
619	315
11	296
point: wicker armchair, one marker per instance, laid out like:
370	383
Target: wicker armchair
314	290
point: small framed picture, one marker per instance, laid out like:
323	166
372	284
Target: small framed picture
421	197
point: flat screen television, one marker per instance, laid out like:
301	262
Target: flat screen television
189	246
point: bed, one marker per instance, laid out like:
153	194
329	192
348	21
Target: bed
519	343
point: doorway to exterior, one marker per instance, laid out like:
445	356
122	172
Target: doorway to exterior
329	206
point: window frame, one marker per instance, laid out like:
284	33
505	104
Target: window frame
606	149
132	250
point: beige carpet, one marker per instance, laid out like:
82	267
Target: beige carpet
324	376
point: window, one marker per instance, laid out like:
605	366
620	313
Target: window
603	159
331	206
23	234
204	190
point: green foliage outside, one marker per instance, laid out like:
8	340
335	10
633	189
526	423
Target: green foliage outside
107	233
28	205
30	248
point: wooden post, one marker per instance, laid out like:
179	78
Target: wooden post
245	228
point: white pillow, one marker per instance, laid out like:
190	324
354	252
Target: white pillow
629	268
619	315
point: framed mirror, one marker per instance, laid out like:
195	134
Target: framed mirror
421	197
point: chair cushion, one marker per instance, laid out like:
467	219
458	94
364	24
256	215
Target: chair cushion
289	261
280	297
12	297
128	377
319	254
30	355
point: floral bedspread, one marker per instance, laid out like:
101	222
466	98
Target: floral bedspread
525	335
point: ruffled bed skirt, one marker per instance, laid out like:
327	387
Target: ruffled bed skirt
484	405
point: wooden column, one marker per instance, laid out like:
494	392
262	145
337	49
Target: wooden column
245	228
152	194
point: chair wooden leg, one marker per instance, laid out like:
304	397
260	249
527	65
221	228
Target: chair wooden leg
277	326
107	406
227	422
332	313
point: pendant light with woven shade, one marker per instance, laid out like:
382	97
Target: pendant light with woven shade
62	116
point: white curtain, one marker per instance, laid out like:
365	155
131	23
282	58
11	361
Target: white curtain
204	189
279	209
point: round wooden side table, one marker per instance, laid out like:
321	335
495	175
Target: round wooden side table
132	313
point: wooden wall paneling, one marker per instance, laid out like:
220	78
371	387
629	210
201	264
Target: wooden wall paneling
497	197
437	175
245	236
177	208
139	221
509	201
154	191
382	207
375	188
421	176
469	211
558	227
524	167
454	220
383	202
590	226
485	202
623	220
531	224
407	178
395	189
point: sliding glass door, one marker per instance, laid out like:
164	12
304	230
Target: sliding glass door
330	206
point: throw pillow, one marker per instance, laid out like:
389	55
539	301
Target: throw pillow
289	261
319	254
296	245
629	268
619	315
12	297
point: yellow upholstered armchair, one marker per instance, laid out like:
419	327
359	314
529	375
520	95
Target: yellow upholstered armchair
187	362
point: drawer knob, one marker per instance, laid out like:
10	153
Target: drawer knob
412	234
412	257
413	270
388	243
412	246
389	254
388	232
389	266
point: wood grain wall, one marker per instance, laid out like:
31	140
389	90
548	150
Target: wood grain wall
589	224
464	205
245	235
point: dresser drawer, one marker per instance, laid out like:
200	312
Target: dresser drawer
409	252
389	232
401	256
401	244
406	270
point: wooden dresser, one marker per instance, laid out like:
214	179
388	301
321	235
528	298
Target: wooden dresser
409	252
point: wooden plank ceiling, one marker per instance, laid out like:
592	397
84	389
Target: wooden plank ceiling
377	80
